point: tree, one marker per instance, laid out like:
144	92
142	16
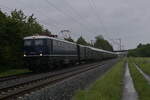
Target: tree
140	45
18	15
101	43
12	30
142	50
3	42
99	37
81	41
47	31
33	26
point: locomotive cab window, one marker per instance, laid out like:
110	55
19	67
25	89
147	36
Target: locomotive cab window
36	42
27	42
39	42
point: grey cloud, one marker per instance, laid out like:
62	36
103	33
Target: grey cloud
126	19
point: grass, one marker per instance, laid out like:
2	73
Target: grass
9	72
144	64
108	87
141	84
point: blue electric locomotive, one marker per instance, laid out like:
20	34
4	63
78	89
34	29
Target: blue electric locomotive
43	53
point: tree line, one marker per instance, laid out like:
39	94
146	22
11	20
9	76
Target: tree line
13	28
142	50
100	42
16	25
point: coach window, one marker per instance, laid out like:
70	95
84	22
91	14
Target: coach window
49	43
59	44
55	43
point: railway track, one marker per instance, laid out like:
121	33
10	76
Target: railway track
25	75
13	91
28	75
12	77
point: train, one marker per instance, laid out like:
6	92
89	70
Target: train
44	53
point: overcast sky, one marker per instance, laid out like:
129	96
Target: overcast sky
125	19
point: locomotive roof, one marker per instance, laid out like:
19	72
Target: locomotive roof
36	37
47	37
101	50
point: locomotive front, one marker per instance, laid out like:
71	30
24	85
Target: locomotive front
35	51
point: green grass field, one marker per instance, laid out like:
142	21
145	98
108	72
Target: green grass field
141	85
144	64
108	87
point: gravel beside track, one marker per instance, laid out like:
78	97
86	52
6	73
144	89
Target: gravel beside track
65	89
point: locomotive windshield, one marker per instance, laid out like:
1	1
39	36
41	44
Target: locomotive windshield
34	46
36	42
27	42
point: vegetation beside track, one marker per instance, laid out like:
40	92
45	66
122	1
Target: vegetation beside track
142	50
10	72
143	63
141	84
108	87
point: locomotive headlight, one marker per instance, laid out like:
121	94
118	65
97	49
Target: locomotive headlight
24	55
41	54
